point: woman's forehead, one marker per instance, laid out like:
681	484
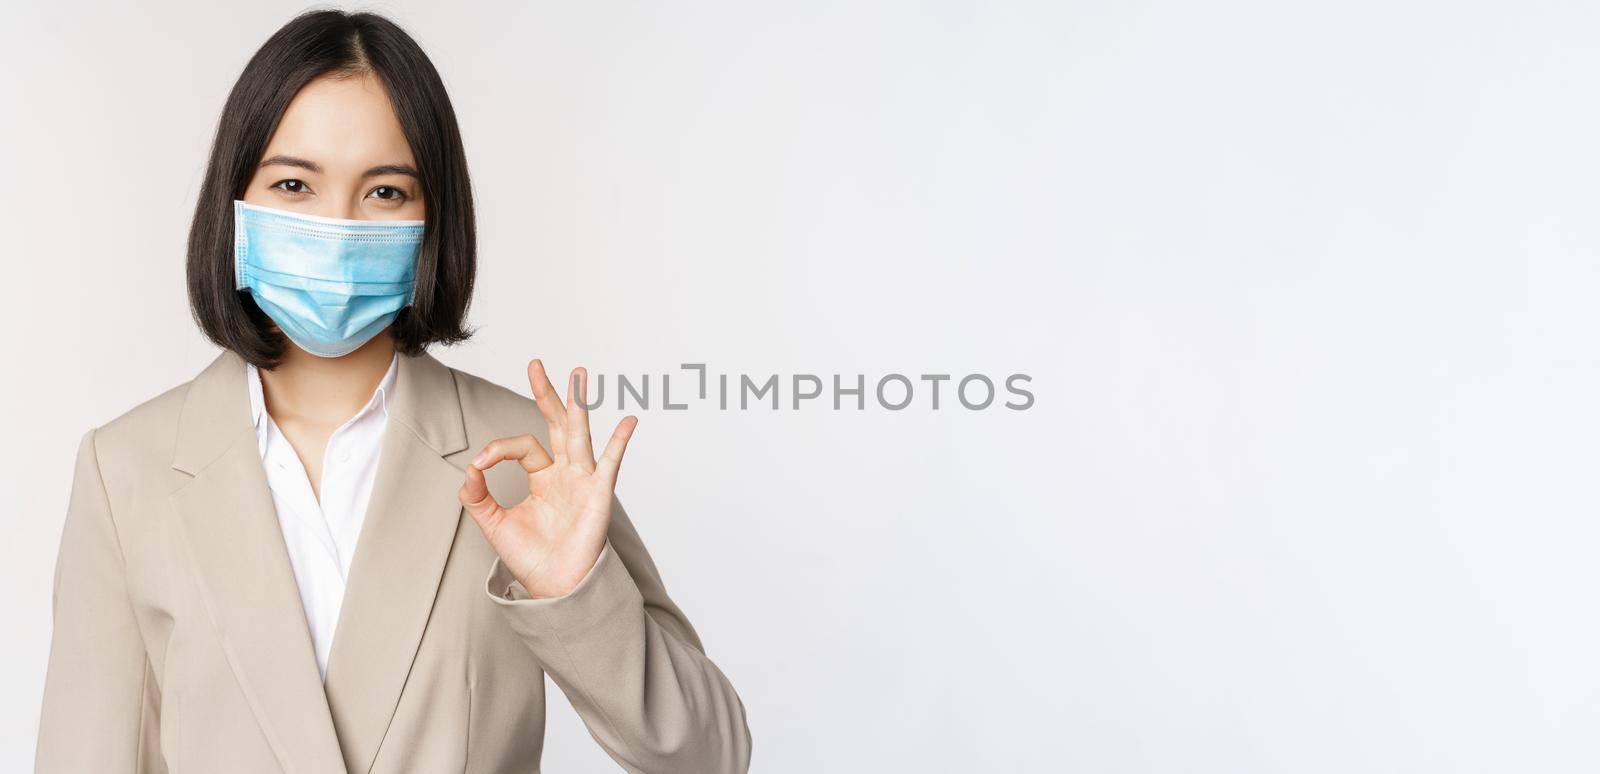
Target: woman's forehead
345	125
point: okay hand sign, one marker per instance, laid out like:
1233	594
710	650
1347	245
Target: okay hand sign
551	539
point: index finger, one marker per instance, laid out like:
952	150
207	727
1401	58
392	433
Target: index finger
525	449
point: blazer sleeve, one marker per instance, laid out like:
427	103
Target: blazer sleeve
630	663
100	710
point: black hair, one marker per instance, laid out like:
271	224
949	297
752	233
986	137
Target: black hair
314	44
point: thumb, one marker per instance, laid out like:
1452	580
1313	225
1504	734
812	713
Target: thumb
474	496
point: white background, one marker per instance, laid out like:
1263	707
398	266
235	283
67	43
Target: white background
1308	292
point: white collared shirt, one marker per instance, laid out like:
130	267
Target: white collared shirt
321	537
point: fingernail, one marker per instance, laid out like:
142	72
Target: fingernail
478	461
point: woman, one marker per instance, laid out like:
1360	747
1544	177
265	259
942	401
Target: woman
266	568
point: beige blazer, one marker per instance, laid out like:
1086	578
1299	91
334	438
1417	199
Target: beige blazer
180	644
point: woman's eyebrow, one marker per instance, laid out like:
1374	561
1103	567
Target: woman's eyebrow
291	161
381	169
392	169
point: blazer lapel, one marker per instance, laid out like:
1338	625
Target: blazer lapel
246	580
405	539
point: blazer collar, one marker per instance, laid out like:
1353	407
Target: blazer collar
233	540
217	408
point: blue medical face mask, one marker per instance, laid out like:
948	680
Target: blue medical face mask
329	284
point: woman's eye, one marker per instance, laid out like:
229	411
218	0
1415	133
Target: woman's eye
388	192
292	186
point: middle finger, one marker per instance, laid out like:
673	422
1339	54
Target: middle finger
580	449
555	414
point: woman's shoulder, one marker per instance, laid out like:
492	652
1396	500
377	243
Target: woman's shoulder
147	426
493	404
149	430
138	445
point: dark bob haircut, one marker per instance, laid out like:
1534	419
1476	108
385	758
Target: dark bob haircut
311	45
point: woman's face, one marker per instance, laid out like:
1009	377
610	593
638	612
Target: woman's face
339	152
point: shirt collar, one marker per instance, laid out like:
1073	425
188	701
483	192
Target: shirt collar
378	401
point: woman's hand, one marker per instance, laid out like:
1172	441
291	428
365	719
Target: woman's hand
551	539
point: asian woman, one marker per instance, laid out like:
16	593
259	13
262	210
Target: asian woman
309	558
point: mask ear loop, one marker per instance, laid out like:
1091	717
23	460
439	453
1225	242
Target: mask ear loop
241	246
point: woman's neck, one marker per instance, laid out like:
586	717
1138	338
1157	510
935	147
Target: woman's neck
325	391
